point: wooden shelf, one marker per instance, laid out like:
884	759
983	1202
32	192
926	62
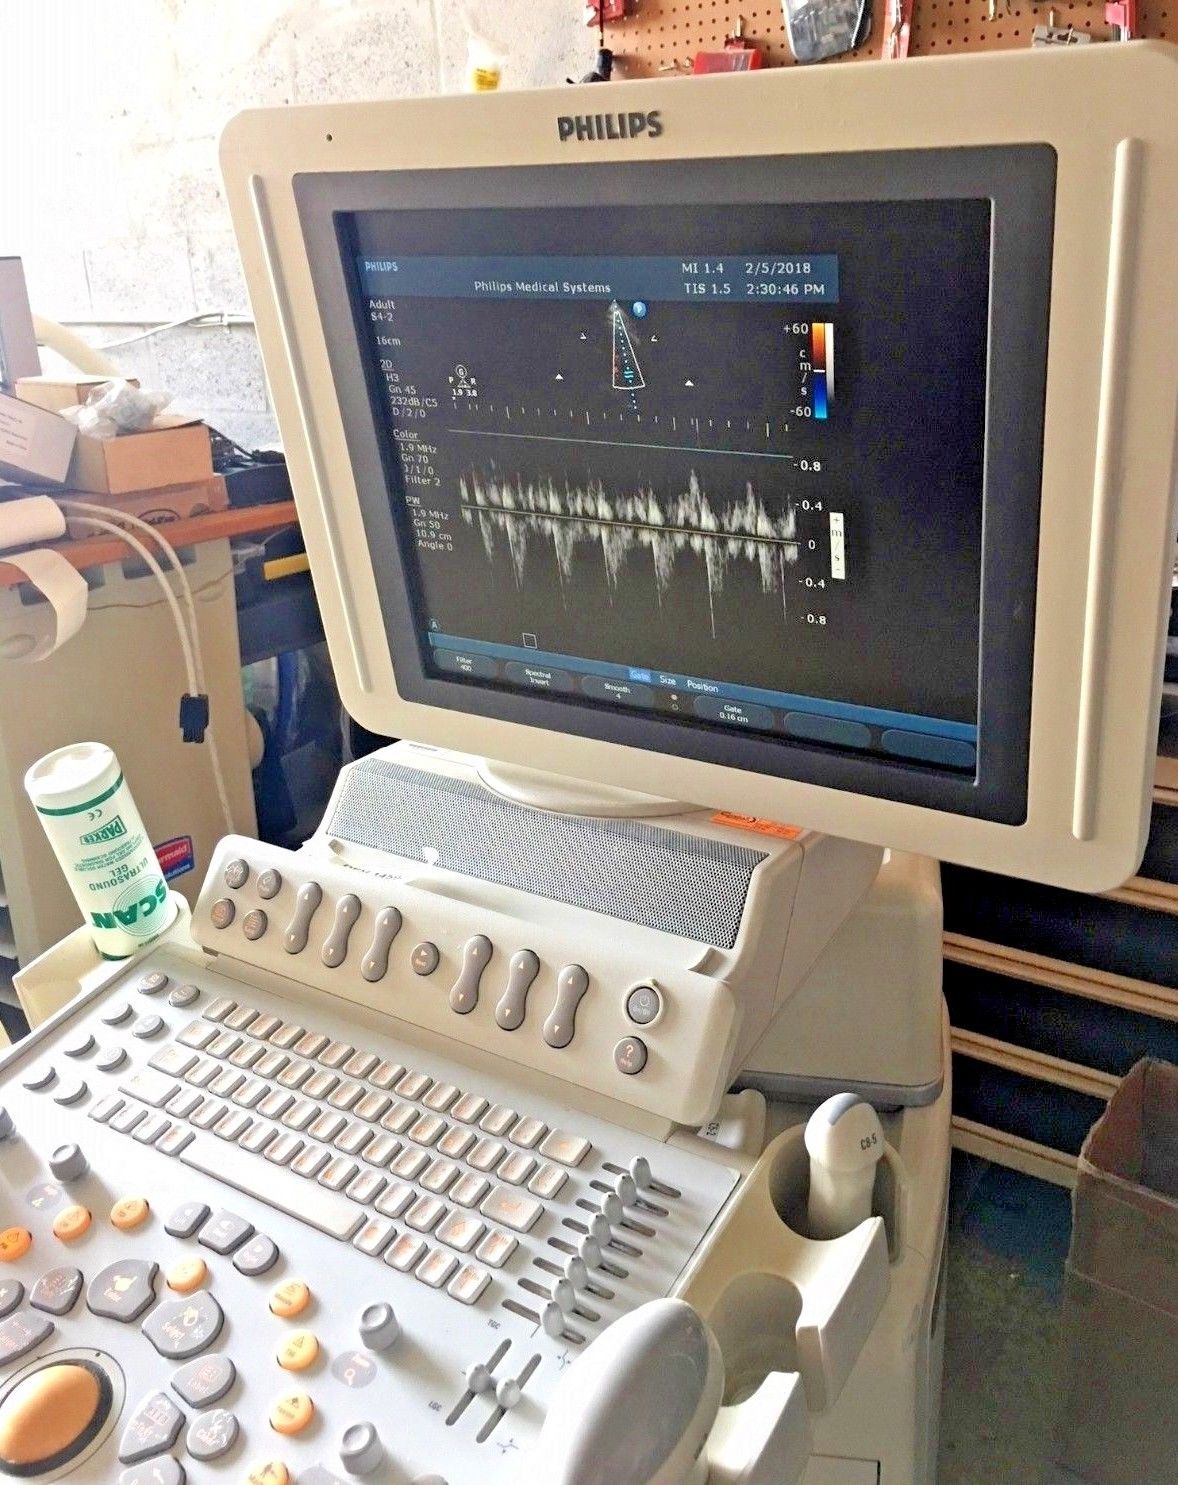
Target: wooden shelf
217	525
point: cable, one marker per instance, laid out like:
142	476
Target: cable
103	513
189	650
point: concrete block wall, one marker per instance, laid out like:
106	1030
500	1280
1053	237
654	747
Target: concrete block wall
109	117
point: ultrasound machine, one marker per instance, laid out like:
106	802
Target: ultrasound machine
739	494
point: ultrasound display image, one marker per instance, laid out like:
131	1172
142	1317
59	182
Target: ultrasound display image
738	456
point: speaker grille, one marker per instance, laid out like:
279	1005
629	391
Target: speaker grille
627	869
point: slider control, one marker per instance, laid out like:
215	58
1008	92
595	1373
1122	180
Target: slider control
307	901
476	955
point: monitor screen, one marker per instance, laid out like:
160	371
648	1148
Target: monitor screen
729	472
753	480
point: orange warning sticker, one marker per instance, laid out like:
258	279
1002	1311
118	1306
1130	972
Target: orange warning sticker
755	823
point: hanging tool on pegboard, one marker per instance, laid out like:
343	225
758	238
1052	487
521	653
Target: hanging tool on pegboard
818	29
740	54
598	13
898	33
1121	15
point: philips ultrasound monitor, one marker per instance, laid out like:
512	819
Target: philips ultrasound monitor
799	444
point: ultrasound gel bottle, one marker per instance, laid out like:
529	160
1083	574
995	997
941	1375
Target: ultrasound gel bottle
103	847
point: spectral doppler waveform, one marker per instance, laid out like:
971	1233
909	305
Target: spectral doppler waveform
569	517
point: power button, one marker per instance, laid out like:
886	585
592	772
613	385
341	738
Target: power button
643	1005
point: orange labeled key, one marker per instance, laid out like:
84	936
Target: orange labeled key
290	1299
298	1351
187	1275
71	1223
15	1242
292	1413
273	1472
129	1213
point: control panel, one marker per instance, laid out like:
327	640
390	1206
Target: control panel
614	1008
246	1233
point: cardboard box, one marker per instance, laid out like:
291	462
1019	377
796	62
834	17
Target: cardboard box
159	507
58	392
177	451
18	342
35	446
1119	1424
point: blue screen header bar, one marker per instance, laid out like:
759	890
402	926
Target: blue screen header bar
798	278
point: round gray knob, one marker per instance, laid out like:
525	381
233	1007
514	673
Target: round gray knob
508	1394
612	1208
7	1127
379	1326
640	1171
626	1189
553	1320
576	1271
589	1250
67	1163
478	1378
360	1449
600	1229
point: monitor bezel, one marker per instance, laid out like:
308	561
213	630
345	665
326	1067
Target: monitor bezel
1019	183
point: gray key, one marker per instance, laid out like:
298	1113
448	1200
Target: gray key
81	1044
174	1141
237	874
150	1087
307	901
12	1291
476	955
71	1092
335	945
56	1292
40	1078
185	1220
110	1059
513	1004
148	1026
22	1333
254	924
630	1055
122	1291
184	1327
269	884
116	1014
224	1232
205	1380
153	1427
152	982
561	1025
105	1107
124	1120
164	1470
375	963
183	995
148	1130
258	1256
212	1435
240	1017
222	913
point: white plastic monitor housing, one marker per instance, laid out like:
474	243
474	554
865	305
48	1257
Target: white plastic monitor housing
1108	469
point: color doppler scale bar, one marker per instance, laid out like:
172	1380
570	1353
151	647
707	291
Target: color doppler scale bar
934	740
822	368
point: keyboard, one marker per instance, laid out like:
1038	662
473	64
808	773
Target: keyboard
296	1248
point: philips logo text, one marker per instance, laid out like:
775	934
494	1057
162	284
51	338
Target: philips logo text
582	126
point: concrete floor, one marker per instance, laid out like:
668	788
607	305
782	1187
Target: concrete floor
1008	1241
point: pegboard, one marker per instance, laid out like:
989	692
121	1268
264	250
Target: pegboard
663	36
